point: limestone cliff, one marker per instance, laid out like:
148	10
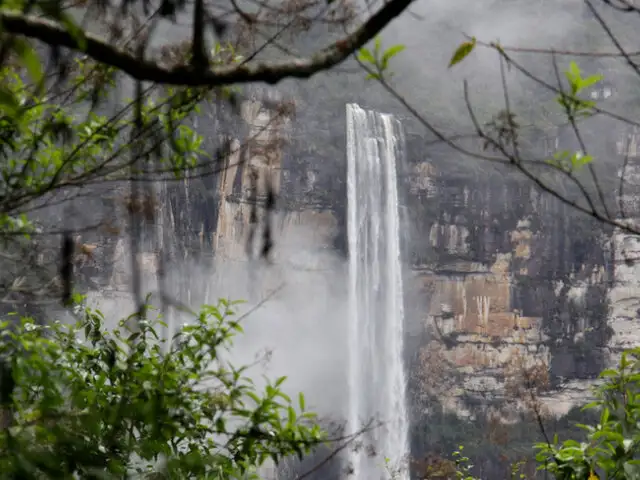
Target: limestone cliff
623	293
498	273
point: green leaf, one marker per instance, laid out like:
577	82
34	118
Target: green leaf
462	52
574	70
604	417
578	160
365	56
30	59
377	46
9	102
390	53
291	416
592	80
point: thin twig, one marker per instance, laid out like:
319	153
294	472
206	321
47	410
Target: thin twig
583	148
568	53
612	37
348	441
622	183
507	105
513	63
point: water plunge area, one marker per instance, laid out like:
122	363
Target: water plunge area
376	317
313	351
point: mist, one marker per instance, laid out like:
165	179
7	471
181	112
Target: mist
293	313
433	30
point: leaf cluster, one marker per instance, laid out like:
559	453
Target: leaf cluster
48	144
574	106
378	59
611	447
85	401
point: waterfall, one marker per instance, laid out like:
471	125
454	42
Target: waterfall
376	323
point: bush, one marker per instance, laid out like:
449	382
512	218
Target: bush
87	402
611	449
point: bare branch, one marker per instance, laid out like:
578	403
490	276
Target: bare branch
567	53
583	148
623	173
346	442
612	37
185	75
518	66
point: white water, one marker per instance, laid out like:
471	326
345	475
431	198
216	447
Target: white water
376	323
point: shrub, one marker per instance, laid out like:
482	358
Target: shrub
88	402
611	448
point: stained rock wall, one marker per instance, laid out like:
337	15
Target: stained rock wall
300	231
508	275
498	274
624	293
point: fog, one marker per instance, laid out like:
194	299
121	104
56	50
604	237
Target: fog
437	28
293	314
432	30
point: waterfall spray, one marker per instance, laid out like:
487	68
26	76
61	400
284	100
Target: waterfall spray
376	323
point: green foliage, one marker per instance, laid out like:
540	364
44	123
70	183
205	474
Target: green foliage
22	51
574	106
47	143
378	60
114	405
463	465
610	449
569	162
462	51
516	470
89	402
30	59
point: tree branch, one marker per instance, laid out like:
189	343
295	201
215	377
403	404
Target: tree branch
185	75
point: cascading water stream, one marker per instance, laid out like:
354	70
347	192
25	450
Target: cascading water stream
376	369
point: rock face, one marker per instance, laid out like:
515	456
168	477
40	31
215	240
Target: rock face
298	227
624	296
509	271
498	272
499	275
504	276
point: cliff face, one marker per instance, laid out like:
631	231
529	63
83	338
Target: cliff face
623	294
506	276
264	155
498	275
